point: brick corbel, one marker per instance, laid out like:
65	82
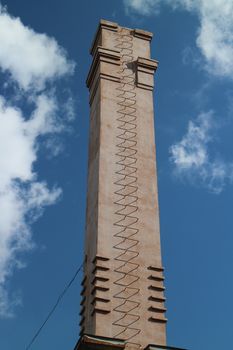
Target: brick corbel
145	73
103	25
143	34
105	65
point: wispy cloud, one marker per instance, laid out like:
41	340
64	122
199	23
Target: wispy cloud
143	7
214	35
193	160
33	62
214	44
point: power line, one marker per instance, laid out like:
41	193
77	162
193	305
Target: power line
54	307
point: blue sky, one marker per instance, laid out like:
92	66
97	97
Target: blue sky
43	162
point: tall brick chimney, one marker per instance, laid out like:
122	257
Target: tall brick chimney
123	291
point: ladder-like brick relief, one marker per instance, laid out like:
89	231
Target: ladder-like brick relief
126	198
100	290
156	298
82	312
95	297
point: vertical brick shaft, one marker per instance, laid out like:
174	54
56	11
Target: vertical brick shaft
123	292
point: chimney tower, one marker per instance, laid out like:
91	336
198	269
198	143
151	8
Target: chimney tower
123	291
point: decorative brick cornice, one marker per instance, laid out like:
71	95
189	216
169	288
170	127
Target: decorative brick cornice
145	72
90	342
104	66
102	25
143	34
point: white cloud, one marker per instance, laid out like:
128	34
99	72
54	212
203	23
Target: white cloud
192	159
31	60
191	151
22	196
214	35
152	7
144	7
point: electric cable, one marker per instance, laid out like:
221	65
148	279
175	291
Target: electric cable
60	297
